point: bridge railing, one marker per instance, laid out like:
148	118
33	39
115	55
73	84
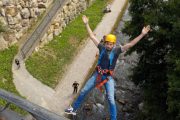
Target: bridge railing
38	112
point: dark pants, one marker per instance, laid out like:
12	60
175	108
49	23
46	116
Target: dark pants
75	89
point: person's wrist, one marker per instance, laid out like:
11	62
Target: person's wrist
86	23
143	34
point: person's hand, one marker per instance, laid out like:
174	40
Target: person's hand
85	19
146	29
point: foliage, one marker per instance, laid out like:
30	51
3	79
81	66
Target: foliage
158	69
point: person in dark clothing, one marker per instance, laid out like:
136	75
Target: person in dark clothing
107	9
75	85
17	63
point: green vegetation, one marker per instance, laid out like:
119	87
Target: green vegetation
6	59
158	71
50	62
6	79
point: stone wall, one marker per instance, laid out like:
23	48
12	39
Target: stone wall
17	16
70	10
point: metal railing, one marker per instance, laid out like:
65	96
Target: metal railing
38	112
36	36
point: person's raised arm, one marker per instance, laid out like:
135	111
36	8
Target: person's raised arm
145	30
91	34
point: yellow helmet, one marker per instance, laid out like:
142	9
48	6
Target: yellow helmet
110	38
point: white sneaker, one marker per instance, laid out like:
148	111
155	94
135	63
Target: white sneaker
70	111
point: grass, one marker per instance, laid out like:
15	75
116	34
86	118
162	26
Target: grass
6	79
51	61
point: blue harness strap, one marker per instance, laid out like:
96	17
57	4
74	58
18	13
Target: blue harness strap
102	73
111	58
101	55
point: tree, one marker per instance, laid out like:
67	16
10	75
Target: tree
158	69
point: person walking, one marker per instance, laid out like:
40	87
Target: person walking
17	63
103	75
75	86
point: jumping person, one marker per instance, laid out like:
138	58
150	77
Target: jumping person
102	76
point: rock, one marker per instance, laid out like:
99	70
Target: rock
6	2
56	20
88	107
36	49
12	26
11	10
17	18
18	27
19	7
1	4
33	4
44	38
73	6
27	5
33	12
63	25
124	109
100	107
60	30
22	3
19	34
3	43
25	22
122	102
25	13
3	21
16	2
51	29
13	20
83	6
37	12
44	1
140	106
56	32
65	9
10	37
50	37
99	96
56	25
42	5
75	1
10	20
2	12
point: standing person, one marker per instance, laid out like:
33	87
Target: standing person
104	71
17	63
103	40
107	9
75	86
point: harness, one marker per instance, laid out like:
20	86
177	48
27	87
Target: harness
104	73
